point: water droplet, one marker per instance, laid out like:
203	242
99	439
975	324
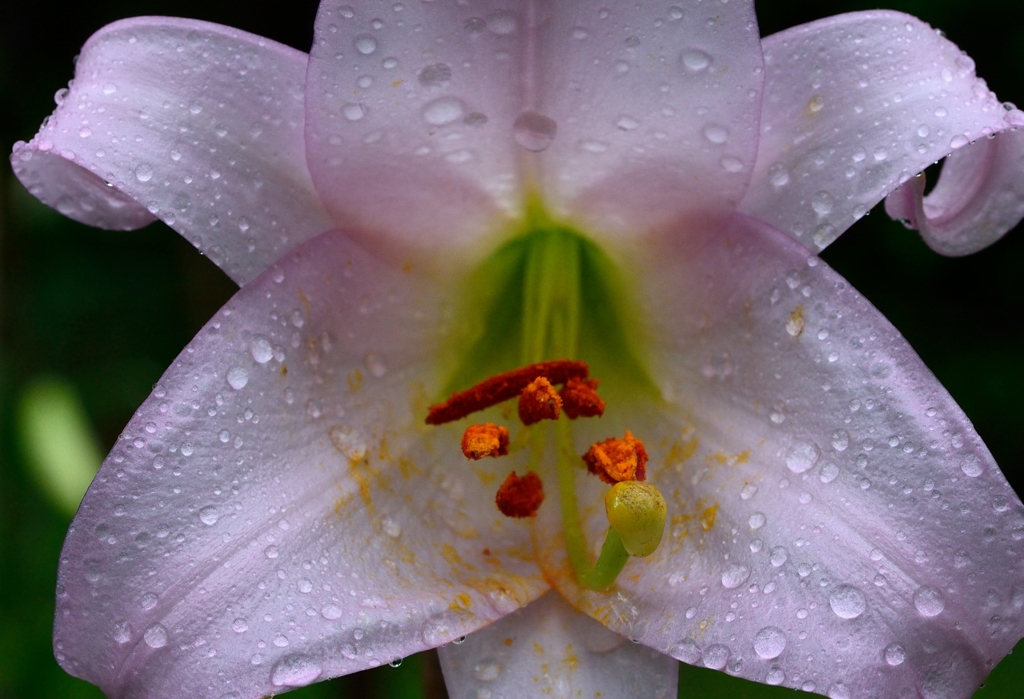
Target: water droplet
435	74
331	612
194	107
716	656
438	631
731	164
847	602
829	472
443	111
349	442
840	440
305	585
209	515
396	662
895	654
260	348
487	670
627	123
534	132
240	625
775	676
716	133
364	81
734	576
122	632
353	111
838	691
778	556
237	377
593	146
778	175
929	601
365	44
757	520
143	172
155	636
391	528
686	651
375	364
501	23
769	642
971	466
958	141
802	456
271	552
294	671
695	60
822	203
675	12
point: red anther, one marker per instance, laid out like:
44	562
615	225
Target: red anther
580	399
539	401
615	460
483	440
520	497
503	387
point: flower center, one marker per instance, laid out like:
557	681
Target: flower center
550	299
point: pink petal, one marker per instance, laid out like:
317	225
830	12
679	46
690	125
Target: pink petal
548	648
978	198
657	110
276	512
409	118
836	524
194	123
856	105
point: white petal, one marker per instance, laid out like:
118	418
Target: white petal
855	105
276	512
657	110
194	123
549	649
410	117
978	198
827	498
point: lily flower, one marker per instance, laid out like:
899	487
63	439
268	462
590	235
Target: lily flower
443	192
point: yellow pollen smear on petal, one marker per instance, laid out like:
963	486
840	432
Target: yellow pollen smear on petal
795	324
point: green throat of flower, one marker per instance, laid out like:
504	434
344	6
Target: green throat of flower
552	300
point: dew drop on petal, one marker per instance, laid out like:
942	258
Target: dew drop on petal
686	651
734	576
435	74
775	676
716	656
155	636
802	456
971	466
847	602
365	44
143	172
237	377
757	520
769	642
716	134
349	442
501	23
122	632
331	612
928	601
533	131
894	654
443	111
294	671
209	515
261	350
695	60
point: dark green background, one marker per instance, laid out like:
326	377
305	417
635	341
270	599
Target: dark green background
108	312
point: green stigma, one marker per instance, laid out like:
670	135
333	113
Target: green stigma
637	512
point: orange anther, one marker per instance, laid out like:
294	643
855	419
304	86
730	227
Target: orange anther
580	399
483	440
615	460
520	497
539	401
503	387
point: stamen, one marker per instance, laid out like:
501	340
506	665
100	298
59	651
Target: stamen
503	387
539	401
615	460
483	440
580	399
520	497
